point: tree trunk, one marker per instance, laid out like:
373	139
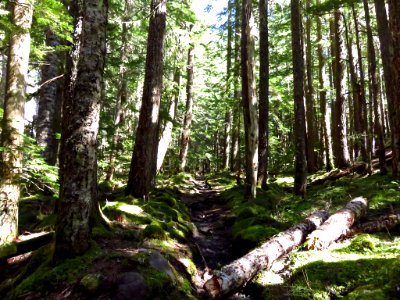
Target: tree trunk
233	276
249	99
340	149
310	114
3	76
374	89
144	158
384	223
363	115
337	224
323	101
227	139
49	106
13	119
166	136
187	122
122	90
300	180
386	47
263	116
394	22
81	108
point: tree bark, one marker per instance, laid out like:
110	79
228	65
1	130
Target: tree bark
363	115
300	180
49	106
249	99
227	139
81	108
337	224
322	98
384	223
122	90
13	119
263	117
340	148
233	276
374	91
310	113
144	158
166	136
386	47
187	122
394	23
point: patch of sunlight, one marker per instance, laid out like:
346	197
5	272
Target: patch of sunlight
131	209
288	179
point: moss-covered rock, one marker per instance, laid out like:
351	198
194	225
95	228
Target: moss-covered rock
91	282
155	231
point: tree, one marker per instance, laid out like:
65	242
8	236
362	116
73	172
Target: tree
249	99
263	121
310	114
49	106
340	149
78	153
144	158
187	122
13	119
122	90
374	90
300	179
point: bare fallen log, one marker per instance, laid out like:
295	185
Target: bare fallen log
337	225
33	242
235	275
384	223
359	168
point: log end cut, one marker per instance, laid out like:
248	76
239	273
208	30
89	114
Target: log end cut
213	287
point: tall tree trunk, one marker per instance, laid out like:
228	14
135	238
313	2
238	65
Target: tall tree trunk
49	106
13	119
386	47
300	179
322	97
363	115
228	112
122	90
310	114
263	117
394	22
356	93
374	89
236	157
166	136
340	149
143	168
249	99
187	122
81	108
3	77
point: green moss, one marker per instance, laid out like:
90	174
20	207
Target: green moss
247	212
102	232
256	234
155	231
362	243
8	249
91	282
47	276
368	292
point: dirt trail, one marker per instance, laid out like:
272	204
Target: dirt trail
212	238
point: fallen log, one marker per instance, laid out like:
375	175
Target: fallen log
337	224
233	276
359	168
33	242
384	223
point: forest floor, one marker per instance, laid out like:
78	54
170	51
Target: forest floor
166	248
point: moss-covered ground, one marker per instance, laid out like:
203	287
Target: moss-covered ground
364	267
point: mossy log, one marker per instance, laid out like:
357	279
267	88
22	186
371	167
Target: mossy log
22	247
384	223
233	276
359	168
337	225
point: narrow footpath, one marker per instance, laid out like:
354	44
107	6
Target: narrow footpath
212	238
